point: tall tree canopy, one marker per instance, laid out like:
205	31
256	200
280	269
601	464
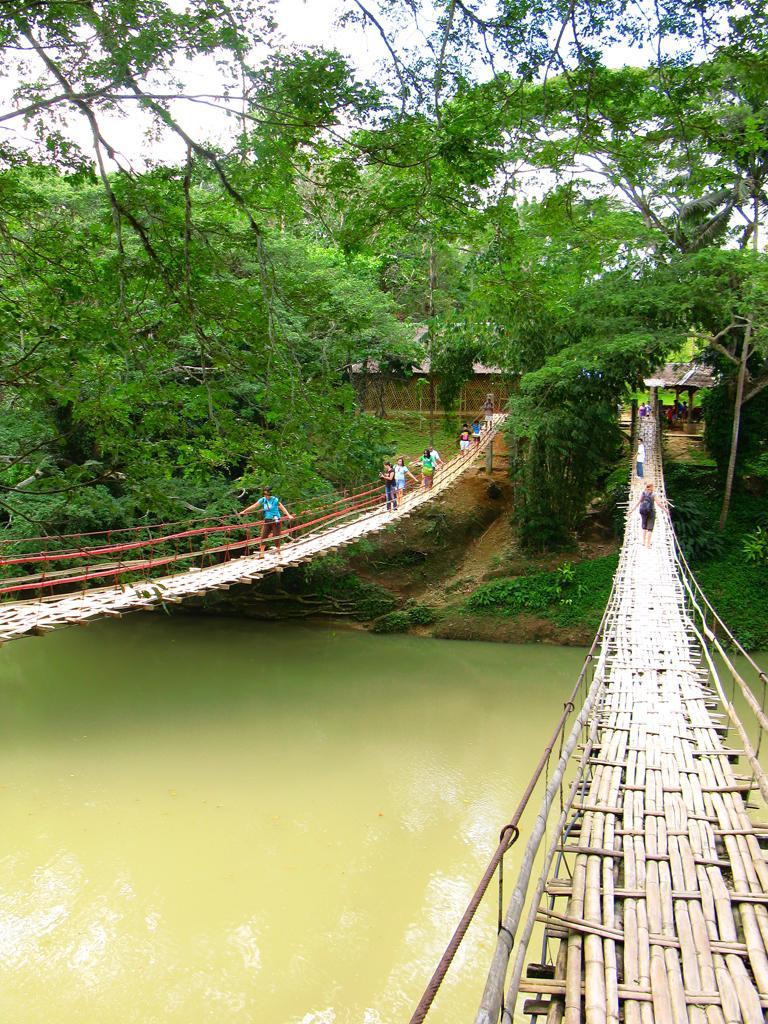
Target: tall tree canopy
174	330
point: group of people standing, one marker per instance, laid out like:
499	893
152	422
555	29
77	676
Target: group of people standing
469	435
670	416
394	473
393	477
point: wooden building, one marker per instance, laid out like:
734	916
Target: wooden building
384	392
685	379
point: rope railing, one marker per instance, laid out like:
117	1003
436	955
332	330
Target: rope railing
493	995
309	504
701	613
493	1004
189	527
706	623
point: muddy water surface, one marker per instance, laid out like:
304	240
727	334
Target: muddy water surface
220	822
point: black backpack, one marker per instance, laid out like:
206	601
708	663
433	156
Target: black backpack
646	502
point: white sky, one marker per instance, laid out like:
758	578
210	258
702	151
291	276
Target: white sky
313	23
301	23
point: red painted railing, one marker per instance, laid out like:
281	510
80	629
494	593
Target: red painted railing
111	555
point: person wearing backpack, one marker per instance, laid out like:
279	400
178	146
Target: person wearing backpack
647	504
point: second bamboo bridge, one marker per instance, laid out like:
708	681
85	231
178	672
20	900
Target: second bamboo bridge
148	567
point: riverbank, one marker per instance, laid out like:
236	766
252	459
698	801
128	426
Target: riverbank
427	576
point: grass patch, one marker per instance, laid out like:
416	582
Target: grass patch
409	434
572	594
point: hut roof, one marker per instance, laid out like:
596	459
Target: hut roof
423	368
682	375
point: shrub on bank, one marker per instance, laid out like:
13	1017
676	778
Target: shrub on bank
414	614
574	593
395	622
420	614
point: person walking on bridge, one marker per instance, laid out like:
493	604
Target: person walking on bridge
401	471
488	412
427	469
390	486
647	503
274	510
640	459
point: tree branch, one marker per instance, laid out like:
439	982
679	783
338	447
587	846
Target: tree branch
397	63
755	388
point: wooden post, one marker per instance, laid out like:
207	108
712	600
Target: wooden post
489	457
689	426
633	421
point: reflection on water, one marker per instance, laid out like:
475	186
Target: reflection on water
226	822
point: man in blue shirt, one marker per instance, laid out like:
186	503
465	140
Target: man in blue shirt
273	512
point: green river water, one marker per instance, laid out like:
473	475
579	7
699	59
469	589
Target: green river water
219	822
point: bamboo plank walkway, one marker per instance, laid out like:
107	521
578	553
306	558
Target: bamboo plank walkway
662	913
40	616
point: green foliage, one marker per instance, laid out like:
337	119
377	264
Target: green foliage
413	614
698	535
407	435
453	361
694	494
559	455
718	419
575	592
616	495
755	546
583	604
394	622
172	338
149	406
583	318
420	614
734	583
326	578
737	589
437	524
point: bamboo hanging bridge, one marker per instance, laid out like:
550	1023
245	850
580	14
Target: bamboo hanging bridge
203	555
643	869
